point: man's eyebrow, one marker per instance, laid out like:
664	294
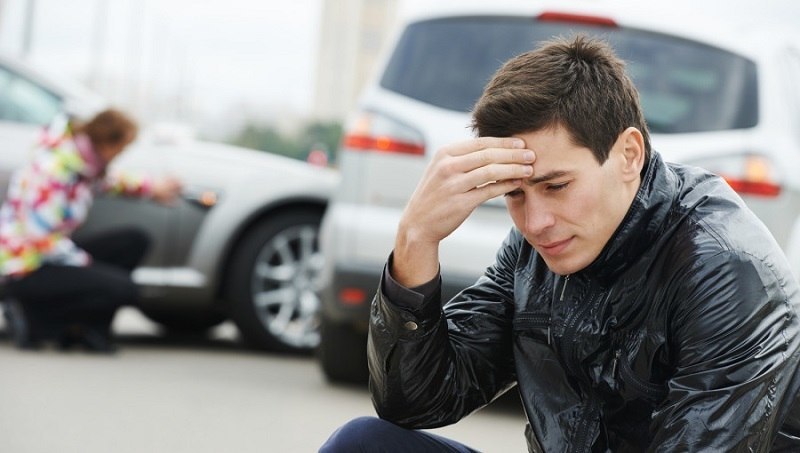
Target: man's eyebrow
546	177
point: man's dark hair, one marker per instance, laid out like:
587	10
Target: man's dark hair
576	83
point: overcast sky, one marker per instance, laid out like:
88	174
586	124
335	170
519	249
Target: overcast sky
223	54
223	59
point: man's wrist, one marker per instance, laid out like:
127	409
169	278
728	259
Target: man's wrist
414	297
414	262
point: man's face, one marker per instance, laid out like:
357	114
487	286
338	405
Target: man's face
571	206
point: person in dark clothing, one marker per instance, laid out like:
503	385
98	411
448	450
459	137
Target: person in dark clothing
76	304
637	305
56	288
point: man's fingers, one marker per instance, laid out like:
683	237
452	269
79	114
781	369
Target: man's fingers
493	190
480	143
494	173
470	155
492	156
484	161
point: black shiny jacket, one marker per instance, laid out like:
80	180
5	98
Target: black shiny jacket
681	336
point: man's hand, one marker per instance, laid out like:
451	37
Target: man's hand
458	179
166	189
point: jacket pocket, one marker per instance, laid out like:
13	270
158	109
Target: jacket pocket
632	383
533	325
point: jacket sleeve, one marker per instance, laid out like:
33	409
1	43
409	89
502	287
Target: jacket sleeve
123	183
736	348
430	366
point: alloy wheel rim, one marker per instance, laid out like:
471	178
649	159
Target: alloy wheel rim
285	285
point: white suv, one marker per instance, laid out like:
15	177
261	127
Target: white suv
725	100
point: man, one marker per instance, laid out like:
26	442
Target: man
638	305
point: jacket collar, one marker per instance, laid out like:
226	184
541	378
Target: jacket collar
642	225
93	165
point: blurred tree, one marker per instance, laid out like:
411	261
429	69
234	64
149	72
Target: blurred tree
311	136
266	138
329	134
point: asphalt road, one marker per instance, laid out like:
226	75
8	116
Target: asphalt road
170	394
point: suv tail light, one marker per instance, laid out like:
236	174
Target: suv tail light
352	296
749	174
370	131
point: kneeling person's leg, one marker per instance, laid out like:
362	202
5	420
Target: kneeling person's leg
57	297
122	247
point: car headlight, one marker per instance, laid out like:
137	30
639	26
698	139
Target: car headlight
205	198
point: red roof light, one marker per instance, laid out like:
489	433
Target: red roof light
553	16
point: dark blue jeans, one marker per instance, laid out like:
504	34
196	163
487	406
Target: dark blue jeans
56	296
373	435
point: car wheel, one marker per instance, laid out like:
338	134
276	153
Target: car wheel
342	353
274	280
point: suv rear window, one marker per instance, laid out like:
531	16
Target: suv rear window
685	86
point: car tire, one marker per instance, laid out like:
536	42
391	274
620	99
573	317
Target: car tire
273	282
190	322
342	353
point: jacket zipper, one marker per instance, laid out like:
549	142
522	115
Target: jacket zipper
567	354
569	332
583	440
560	299
564	288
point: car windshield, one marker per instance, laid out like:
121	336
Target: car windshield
23	101
685	86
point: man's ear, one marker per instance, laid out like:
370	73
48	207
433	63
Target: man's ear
633	153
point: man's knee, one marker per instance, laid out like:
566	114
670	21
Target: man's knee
359	435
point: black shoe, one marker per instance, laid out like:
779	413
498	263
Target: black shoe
95	341
69	337
19	328
65	342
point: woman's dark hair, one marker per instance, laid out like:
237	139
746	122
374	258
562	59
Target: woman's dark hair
109	127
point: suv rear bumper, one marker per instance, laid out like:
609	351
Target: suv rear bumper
347	278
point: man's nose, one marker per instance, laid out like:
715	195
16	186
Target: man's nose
538	218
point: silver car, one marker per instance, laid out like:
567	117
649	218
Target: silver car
241	244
